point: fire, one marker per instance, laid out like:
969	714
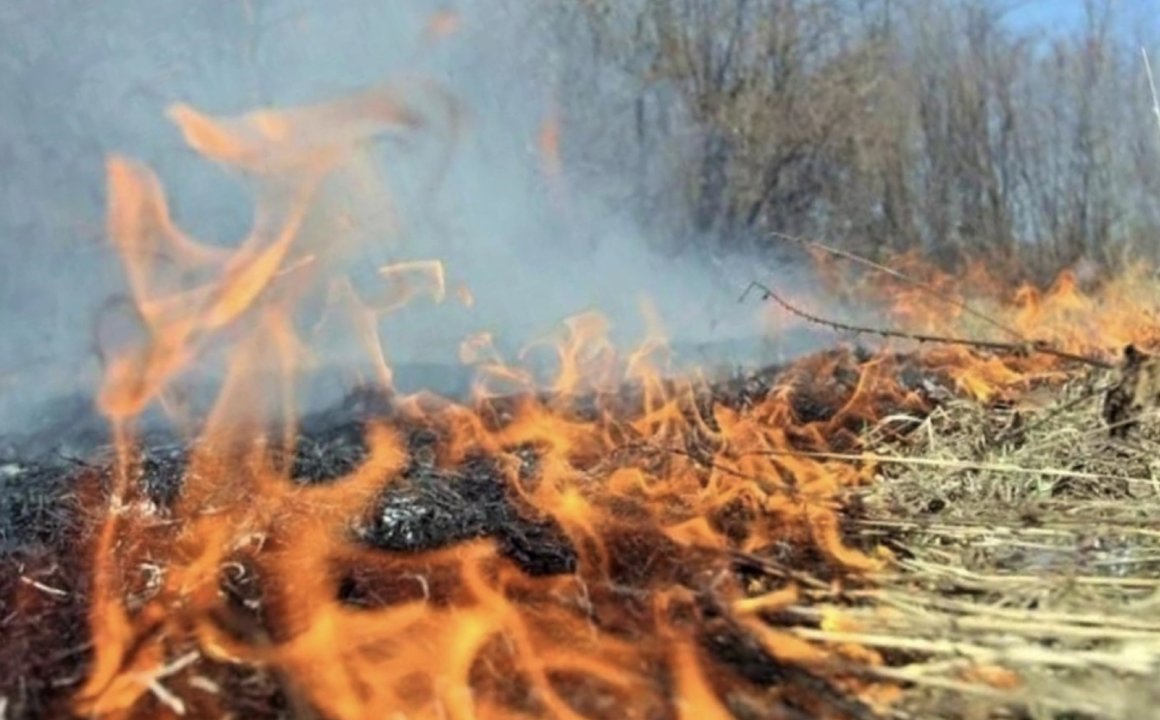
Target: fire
1097	322
441	25
654	494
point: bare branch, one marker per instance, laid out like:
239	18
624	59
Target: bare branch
1035	346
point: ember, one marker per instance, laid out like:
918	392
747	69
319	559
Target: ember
617	542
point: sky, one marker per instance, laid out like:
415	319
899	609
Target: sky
1131	16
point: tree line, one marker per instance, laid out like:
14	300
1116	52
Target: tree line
882	126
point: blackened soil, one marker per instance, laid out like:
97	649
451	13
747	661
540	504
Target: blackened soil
428	509
52	496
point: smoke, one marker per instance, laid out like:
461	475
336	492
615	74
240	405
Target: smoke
530	243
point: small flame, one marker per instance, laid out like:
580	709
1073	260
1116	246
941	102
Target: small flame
442	25
464	295
654	492
549	145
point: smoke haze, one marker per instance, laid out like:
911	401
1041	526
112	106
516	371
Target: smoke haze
83	80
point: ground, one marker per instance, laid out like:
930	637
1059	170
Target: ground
1028	555
1023	579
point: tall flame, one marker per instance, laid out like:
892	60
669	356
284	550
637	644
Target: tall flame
655	492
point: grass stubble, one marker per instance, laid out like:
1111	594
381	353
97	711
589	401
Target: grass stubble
1025	581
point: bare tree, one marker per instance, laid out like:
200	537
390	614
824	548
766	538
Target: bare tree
888	125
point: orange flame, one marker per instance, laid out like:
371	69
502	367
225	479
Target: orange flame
655	492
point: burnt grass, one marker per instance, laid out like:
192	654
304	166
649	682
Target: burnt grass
51	502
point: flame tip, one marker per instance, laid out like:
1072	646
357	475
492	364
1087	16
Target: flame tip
636	484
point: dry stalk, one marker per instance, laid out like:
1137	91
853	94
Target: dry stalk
1141	663
1152	87
1024	348
1040	565
902	277
956	465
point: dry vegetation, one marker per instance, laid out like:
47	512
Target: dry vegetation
1029	560
883	126
1025	578
1028	574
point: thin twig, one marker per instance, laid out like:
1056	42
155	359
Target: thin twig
1139	664
926	288
965	575
1038	346
1040	447
915	618
913	674
1152	87
952	464
1088	394
166	698
152	681
906	602
970	530
772	567
46	589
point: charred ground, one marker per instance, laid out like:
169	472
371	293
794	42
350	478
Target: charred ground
50	507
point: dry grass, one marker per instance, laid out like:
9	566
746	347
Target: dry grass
1028	573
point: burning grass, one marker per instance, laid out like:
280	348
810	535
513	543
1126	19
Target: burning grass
429	533
841	537
1022	563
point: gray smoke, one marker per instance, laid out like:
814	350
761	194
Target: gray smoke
81	80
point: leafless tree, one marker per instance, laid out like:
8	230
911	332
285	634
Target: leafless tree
889	125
